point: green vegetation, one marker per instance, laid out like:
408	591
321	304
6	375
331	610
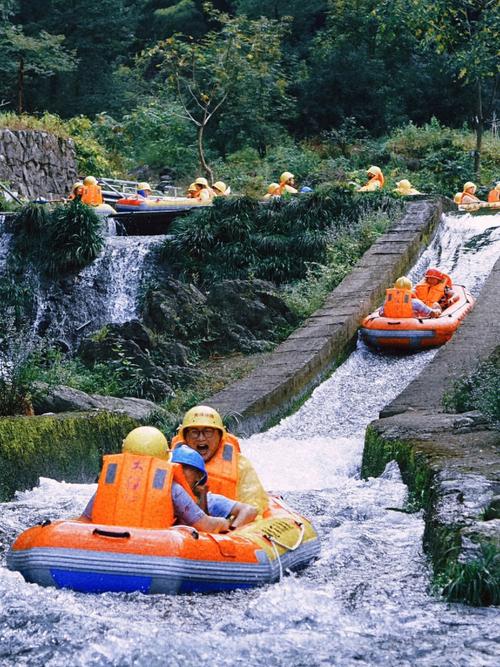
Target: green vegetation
476	581
478	391
240	238
66	447
247	88
58	240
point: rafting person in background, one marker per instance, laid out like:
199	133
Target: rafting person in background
272	191
220	189
375	180
148	451
92	194
405	188
192	191
229	472
204	191
144	190
76	191
468	194
286	184
400	302
494	195
435	289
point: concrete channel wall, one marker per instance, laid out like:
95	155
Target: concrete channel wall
302	361
451	462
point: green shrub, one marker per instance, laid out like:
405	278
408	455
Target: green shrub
59	240
241	238
477	581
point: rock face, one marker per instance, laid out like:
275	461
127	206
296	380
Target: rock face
240	315
37	164
65	399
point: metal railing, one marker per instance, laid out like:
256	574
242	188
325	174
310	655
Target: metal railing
122	187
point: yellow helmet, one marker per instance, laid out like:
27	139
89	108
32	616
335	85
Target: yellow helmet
143	186
286	176
78	184
375	171
404	184
497	186
403	283
90	180
469	185
272	188
202	181
146	440
202	415
192	188
220	186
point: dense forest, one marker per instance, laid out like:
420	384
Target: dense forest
184	84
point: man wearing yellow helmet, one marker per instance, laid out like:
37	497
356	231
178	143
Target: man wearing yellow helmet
205	192
468	195
144	190
229	472
76	191
92	194
405	188
220	189
287	184
375	180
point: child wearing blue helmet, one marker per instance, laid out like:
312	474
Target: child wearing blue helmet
215	513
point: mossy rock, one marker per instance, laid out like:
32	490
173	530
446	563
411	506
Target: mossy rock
64	447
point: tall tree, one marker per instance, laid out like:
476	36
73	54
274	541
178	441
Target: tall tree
28	56
466	34
222	67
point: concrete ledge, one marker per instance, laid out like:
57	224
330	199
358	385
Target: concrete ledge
450	462
302	361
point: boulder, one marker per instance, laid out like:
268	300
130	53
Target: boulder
178	310
66	399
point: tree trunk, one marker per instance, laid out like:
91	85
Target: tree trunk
201	155
20	87
479	131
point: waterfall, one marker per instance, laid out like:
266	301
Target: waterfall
106	291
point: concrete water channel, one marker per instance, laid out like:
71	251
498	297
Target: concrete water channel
368	600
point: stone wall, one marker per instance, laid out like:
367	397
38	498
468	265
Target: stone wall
302	361
36	164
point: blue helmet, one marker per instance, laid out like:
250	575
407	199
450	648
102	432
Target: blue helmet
306	188
187	456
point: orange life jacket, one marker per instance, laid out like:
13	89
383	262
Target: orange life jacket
222	469
430	294
92	195
494	196
398	303
468	194
136	491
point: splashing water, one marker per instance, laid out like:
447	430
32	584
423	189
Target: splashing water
366	601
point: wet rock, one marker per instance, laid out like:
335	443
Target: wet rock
177	310
66	399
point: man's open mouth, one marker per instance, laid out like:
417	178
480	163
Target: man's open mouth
202	448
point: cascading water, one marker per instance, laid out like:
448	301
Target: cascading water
366	601
104	292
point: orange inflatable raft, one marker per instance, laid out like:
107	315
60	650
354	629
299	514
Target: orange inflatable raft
414	333
134	203
94	558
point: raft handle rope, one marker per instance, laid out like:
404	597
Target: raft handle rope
109	533
297	544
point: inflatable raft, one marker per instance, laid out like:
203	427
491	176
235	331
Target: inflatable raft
488	208
95	558
134	203
410	334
